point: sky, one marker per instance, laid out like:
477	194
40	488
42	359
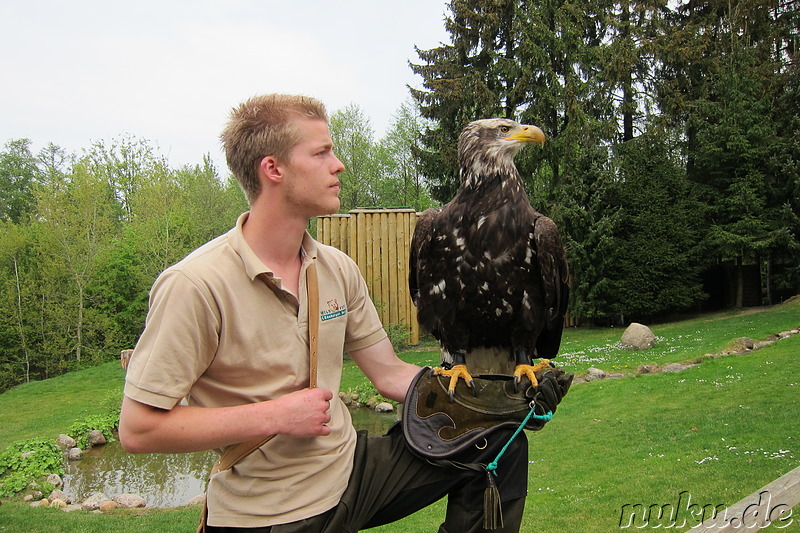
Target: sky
169	71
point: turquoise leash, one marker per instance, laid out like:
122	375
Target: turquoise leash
492	467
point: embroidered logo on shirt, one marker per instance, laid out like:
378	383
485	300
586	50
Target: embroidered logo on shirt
334	310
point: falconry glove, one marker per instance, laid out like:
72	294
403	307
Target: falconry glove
437	428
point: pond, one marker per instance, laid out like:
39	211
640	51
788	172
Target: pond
165	480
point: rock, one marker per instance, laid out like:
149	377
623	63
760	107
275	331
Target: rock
94	501
595	373
25	455
372	402
197	500
74	454
27	498
60	495
96	438
616	375
55	480
130	500
58	504
762	344
638	336
645	369
65	441
676	367
739	345
384	407
346	399
108	505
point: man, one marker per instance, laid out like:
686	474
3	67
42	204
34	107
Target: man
227	329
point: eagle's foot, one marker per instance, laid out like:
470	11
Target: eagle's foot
457	371
530	372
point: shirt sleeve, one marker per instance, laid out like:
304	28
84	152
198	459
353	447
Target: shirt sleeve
364	326
179	341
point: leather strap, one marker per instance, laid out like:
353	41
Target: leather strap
236	452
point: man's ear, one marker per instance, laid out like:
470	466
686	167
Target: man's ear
271	169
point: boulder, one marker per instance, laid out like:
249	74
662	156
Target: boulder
55	480
59	495
130	500
197	500
94	501
384	407
96	438
638	337
58	504
74	454
108	505
595	373
739	345
346	398
65	441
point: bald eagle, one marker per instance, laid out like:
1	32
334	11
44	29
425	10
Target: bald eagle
488	271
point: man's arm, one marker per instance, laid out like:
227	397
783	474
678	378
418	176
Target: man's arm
390	375
147	429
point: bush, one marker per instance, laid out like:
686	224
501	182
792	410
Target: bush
25	462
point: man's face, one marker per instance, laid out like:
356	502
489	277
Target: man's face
312	172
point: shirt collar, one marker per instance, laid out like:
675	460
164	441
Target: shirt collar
252	264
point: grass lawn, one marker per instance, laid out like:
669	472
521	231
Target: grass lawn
716	432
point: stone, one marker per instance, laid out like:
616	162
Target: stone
197	500
60	495
130	500
594	374
65	441
384	407
645	369
346	399
96	438
108	505
74	454
638	337
676	367
739	345
94	501
58	504
55	480
27	498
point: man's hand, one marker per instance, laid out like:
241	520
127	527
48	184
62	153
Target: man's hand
304	413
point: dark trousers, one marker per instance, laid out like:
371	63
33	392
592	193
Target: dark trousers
389	482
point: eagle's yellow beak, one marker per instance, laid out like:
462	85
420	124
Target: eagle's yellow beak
527	134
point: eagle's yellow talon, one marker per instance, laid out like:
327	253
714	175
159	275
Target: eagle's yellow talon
458	371
530	371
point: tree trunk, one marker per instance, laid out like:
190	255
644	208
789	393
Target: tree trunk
739	283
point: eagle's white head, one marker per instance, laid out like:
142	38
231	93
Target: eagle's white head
487	147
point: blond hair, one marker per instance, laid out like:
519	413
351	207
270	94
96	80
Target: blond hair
264	126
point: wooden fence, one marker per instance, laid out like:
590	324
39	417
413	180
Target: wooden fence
378	240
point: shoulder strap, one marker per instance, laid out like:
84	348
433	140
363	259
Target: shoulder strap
236	452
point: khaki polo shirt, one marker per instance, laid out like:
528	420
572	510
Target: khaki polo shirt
217	334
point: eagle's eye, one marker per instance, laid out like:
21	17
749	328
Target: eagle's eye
505	129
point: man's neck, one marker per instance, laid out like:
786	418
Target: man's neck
275	239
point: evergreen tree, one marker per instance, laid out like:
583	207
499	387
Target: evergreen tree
656	269
477	76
